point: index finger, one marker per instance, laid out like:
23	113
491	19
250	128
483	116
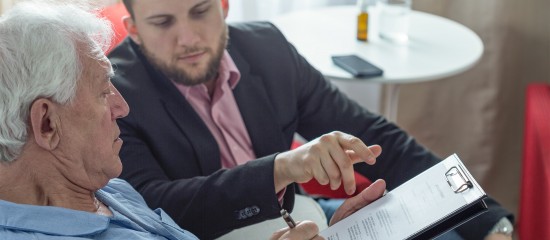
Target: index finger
360	149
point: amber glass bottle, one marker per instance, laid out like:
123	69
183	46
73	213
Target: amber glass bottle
363	21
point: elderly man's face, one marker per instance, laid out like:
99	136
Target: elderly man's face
183	38
89	139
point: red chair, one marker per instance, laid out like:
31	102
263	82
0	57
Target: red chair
534	212
314	188
114	14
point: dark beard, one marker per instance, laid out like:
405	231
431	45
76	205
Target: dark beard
181	76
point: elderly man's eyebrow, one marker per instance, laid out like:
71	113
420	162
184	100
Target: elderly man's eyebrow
110	74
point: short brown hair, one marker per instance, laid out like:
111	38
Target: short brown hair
128	4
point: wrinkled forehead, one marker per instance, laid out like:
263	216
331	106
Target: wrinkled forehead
96	71
98	58
106	65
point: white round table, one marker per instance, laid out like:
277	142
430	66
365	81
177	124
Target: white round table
437	47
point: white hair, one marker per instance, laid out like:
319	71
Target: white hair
42	45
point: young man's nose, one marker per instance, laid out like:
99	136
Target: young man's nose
187	35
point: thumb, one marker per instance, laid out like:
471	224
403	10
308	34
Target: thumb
303	230
351	205
277	235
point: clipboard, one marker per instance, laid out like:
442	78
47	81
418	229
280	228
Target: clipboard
459	182
428	205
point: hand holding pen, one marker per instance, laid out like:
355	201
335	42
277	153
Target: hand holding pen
308	230
296	230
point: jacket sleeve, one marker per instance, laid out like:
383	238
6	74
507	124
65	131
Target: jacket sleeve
162	162
323	108
208	206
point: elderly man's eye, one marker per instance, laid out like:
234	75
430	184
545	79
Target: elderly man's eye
108	92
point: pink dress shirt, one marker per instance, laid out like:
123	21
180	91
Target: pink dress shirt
221	114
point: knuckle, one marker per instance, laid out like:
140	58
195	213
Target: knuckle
312	228
315	149
336	133
322	180
346	164
310	166
310	162
326	138
354	140
334	175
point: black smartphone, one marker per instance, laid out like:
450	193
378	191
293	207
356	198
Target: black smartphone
357	66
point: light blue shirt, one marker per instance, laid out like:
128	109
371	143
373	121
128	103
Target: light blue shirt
131	219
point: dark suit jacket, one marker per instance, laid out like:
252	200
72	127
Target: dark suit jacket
171	158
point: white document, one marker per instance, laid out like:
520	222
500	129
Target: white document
416	205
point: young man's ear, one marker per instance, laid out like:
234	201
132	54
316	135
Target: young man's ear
43	126
131	28
225	8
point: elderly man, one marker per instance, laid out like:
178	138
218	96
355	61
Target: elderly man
59	141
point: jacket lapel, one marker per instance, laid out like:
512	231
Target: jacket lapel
258	114
188	122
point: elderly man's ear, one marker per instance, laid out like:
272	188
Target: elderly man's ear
44	124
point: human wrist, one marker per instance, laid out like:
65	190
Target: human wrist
280	176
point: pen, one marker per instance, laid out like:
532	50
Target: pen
288	219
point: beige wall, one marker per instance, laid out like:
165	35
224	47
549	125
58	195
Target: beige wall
479	114
5	4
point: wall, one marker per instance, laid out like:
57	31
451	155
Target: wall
479	114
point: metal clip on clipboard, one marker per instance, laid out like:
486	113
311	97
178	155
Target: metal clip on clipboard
457	180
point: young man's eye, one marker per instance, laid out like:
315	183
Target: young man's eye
201	11
162	23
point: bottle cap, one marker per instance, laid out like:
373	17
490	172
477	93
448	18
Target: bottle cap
363	5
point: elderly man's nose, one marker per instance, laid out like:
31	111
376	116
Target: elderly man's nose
119	107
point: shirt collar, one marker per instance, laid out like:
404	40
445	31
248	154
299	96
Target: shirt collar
230	71
51	220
